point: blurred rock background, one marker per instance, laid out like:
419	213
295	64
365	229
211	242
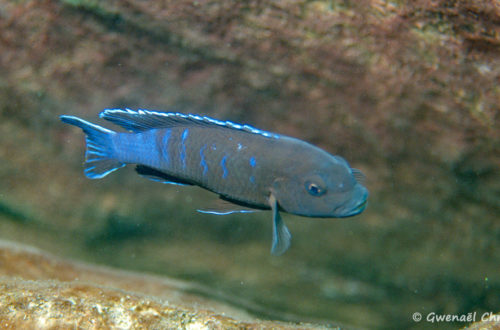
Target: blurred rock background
406	91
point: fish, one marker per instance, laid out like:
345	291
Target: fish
247	167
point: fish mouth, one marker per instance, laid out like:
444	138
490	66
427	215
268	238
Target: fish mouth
358	209
346	211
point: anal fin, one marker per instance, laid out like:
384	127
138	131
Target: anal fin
225	207
224	212
159	176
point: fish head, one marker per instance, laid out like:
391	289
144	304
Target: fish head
327	189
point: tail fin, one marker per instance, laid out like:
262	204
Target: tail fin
99	157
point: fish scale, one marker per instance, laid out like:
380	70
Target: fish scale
244	165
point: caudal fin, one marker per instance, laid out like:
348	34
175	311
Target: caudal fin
99	157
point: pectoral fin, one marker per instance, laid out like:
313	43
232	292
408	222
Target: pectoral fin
281	235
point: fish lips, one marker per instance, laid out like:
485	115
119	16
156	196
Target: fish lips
355	205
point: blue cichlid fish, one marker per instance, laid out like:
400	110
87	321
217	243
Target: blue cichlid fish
244	165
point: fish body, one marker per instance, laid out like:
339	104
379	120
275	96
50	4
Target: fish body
244	165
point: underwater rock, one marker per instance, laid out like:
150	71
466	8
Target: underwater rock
38	291
493	322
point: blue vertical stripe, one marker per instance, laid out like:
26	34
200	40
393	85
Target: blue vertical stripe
223	165
164	147
203	162
253	162
183	147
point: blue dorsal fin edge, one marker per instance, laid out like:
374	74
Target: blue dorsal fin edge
143	120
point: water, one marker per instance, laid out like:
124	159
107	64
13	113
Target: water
411	106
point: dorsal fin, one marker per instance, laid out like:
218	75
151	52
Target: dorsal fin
142	120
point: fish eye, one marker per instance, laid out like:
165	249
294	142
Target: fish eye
314	189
